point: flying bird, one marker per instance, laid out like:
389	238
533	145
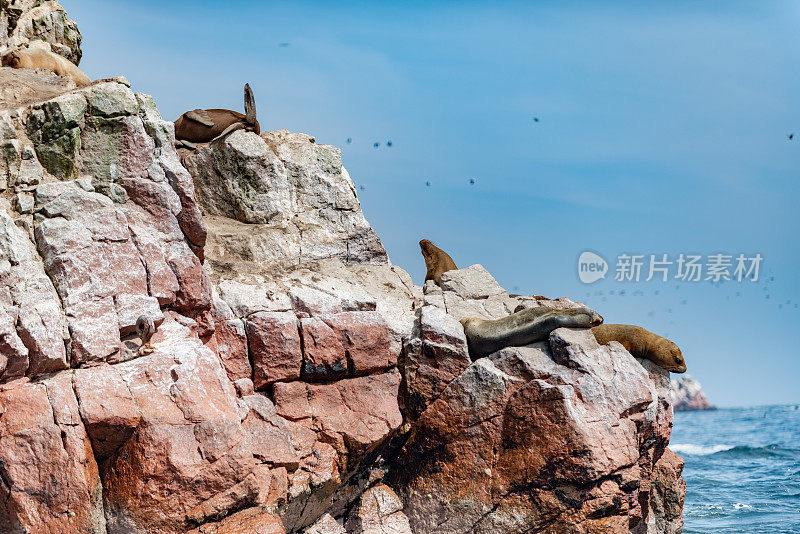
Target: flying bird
361	187
790	136
349	140
428	184
536	119
472	181
388	143
376	145
283	45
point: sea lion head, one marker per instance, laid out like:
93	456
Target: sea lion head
428	252
427	247
12	59
670	356
466	321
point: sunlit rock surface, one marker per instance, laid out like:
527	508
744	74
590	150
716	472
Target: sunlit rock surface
299	381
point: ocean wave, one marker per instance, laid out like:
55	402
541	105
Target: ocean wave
731	450
698	450
761	452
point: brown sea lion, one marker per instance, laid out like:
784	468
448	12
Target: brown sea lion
145	328
437	261
207	125
643	344
37	58
522	328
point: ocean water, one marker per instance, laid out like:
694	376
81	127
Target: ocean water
742	469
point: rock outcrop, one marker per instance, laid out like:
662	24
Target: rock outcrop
686	394
39	23
300	382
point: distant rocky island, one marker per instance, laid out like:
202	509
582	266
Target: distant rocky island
686	394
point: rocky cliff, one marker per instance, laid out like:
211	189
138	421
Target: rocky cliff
686	394
301	382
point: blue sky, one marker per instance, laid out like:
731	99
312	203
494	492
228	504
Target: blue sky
662	129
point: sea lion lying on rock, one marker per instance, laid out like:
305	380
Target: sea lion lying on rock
643	344
38	58
207	125
522	328
437	261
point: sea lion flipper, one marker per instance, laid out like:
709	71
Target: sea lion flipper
183	143
230	129
249	105
201	116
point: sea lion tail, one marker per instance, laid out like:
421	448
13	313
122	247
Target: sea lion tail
249	106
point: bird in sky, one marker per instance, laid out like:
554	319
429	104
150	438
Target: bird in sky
472	181
790	136
376	145
388	143
283	45
349	140
428	184
536	119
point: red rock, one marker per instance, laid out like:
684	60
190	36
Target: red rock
189	217
357	413
432	359
161	281
107	408
326	525
249	521
483	456
190	446
94	329
230	339
668	492
195	287
323	353
267	434
366	341
274	342
379	510
51	481
13	353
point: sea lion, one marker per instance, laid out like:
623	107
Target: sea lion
207	125
644	344
145	328
437	261
522	328
38	58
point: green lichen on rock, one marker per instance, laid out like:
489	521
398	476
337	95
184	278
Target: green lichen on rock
54	128
58	154
104	148
111	100
61	32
